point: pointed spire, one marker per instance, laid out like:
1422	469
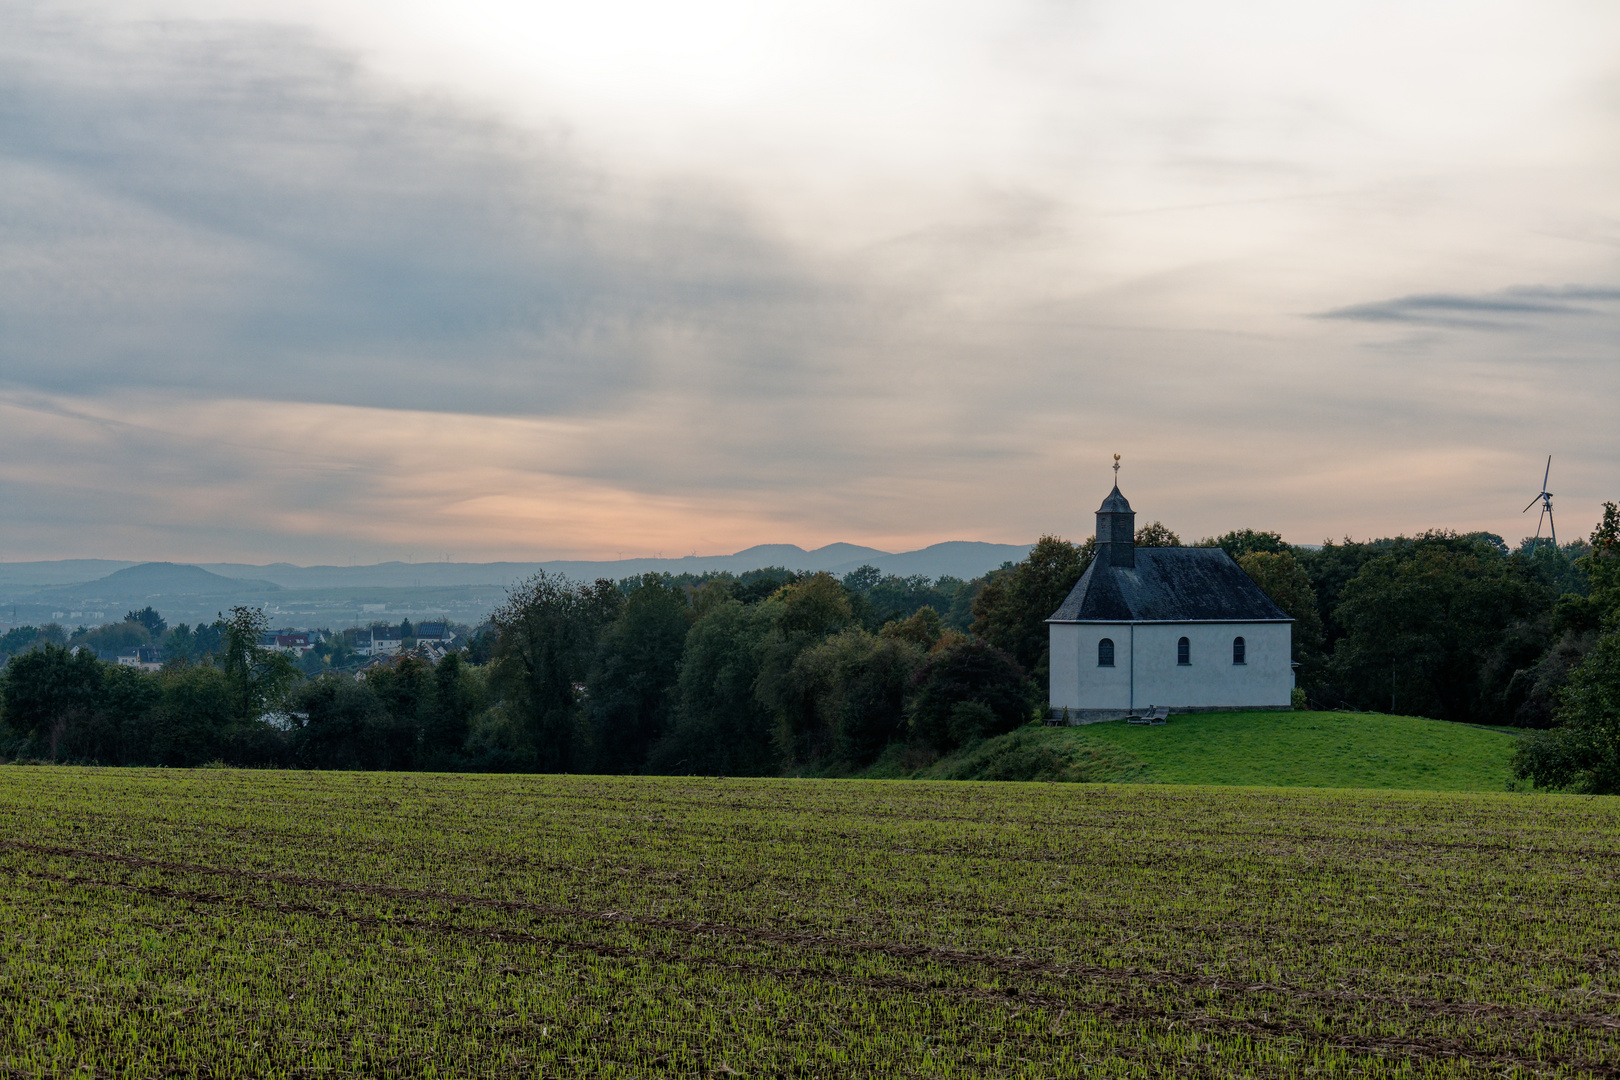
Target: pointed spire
1116	527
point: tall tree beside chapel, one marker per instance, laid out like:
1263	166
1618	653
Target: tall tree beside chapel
1011	611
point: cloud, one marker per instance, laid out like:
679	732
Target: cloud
266	296
1508	309
235	269
238	209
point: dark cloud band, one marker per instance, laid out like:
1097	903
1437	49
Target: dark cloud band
1500	310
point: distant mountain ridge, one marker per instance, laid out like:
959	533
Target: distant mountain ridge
58	571
161	579
956	558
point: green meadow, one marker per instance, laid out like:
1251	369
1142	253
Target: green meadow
1277	749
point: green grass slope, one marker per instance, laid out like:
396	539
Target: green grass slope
1279	749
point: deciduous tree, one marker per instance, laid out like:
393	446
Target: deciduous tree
1156	535
546	640
853	685
631	687
720	725
1283	579
1602	566
802	614
155	624
1011	612
1424	628
47	689
1241	542
1583	752
967	691
260	677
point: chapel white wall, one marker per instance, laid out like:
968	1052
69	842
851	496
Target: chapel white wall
1063	663
1084	685
1210	681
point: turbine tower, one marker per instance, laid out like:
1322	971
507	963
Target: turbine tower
1545	498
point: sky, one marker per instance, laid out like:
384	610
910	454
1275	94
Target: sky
357	281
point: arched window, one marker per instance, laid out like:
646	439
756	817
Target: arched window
1239	651
1105	652
1184	652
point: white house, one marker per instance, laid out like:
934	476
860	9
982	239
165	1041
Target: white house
378	640
1168	627
291	642
143	657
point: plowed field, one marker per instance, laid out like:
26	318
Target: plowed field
223	923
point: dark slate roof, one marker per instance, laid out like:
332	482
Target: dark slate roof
1168	584
1116	503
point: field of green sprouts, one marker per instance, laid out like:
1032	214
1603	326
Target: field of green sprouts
224	923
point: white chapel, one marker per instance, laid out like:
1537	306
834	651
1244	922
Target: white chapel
1182	628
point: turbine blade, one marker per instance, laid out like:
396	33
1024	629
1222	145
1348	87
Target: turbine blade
1546	474
1533	502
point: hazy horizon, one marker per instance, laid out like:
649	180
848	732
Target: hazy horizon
317	283
410	561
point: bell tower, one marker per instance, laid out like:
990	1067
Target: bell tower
1116	528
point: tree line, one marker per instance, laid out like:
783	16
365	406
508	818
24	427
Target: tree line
778	671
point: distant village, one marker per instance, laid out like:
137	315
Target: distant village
356	649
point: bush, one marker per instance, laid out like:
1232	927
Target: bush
968	673
1039	754
970	721
847	697
342	725
47	691
1583	752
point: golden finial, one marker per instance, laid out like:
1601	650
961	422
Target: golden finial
1116	464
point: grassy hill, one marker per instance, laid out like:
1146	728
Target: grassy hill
1281	749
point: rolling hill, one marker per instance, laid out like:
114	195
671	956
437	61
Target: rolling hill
1271	749
160	579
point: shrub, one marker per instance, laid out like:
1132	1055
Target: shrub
1583	752
969	672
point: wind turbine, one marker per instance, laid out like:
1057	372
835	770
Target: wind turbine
1545	498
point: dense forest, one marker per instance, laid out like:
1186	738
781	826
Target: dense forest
776	672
